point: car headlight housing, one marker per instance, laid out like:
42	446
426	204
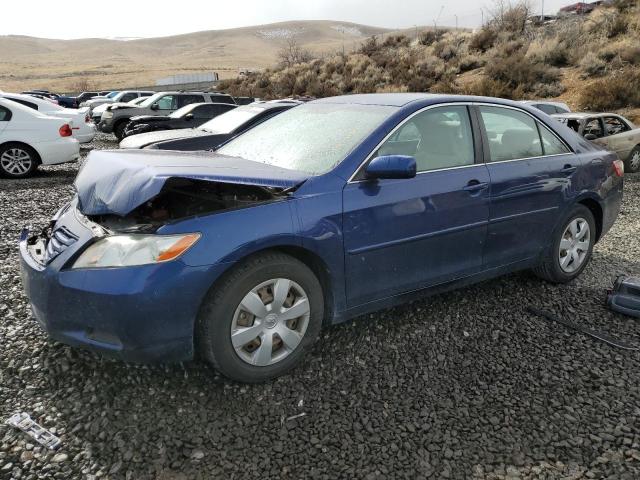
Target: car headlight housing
133	250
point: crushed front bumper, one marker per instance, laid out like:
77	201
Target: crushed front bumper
141	314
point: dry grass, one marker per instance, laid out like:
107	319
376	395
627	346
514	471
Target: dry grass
570	60
27	62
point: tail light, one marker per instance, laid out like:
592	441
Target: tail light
618	167
65	130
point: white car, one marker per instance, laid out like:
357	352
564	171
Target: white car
115	97
96	113
29	138
83	129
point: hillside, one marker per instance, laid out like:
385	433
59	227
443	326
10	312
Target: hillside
591	62
28	62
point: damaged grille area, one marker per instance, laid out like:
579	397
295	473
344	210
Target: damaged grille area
182	198
60	240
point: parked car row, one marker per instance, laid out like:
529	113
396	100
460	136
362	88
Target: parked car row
29	138
305	215
116	116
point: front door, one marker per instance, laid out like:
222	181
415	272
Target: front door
403	235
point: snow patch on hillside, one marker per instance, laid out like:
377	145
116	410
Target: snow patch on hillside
280	33
353	31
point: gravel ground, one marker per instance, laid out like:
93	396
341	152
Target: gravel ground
461	385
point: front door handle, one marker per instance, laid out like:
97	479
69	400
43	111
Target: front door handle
476	186
568	169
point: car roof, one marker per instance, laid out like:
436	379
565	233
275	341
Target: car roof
581	115
404	99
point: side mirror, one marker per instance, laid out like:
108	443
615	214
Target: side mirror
188	116
154	106
591	136
391	166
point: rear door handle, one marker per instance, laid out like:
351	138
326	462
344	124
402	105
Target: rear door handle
476	186
568	169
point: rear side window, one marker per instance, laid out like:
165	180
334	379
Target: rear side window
511	134
548	109
189	99
551	144
613	125
5	114
222	99
25	103
437	138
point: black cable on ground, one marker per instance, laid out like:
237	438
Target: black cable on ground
578	328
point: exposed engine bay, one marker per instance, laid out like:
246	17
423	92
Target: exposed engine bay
182	198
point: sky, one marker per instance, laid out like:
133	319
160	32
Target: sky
153	18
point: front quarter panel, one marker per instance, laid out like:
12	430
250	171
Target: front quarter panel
232	235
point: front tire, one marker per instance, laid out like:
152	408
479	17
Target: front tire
261	319
632	163
571	249
119	128
18	160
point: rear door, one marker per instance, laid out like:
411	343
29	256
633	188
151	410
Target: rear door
403	235
531	173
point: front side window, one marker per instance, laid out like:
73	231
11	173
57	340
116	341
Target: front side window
312	138
593	127
166	102
511	134
437	138
613	125
5	114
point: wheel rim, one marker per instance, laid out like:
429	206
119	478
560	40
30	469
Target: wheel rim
270	322
574	245
16	161
635	161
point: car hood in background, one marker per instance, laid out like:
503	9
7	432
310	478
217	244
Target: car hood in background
116	182
151	118
143	139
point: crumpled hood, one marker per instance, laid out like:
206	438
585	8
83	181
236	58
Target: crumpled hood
117	181
141	140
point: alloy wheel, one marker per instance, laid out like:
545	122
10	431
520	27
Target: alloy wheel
635	161
574	245
270	322
16	161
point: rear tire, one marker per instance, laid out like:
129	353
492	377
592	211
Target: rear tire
632	162
572	247
260	320
18	160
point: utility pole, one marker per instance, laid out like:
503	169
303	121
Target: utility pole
482	13
542	13
435	22
456	21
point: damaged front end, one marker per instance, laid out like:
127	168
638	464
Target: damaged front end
182	198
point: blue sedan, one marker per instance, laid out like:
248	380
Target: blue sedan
332	209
